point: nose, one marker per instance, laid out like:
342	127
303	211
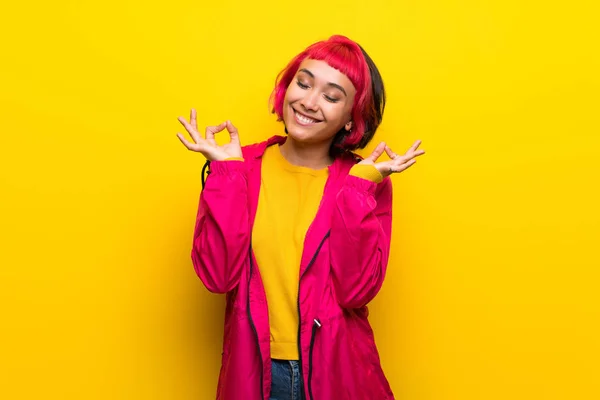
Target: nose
310	100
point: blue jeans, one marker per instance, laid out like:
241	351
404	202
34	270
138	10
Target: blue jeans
287	380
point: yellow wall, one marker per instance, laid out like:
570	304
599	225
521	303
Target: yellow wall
493	286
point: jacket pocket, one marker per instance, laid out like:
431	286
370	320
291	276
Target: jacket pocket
344	361
315	328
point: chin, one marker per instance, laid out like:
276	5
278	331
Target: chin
303	133
299	134
306	136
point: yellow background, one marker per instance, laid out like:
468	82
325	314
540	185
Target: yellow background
493	285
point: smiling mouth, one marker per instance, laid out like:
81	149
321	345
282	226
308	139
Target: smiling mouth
303	119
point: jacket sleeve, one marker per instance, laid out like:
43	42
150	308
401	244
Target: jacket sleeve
360	239
222	234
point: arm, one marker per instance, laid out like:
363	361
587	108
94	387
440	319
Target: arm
222	233
362	225
360	239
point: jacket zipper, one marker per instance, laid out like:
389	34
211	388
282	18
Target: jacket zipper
300	318
262	395
316	325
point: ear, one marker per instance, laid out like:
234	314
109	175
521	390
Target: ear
348	126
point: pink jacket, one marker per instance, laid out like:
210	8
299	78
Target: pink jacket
343	267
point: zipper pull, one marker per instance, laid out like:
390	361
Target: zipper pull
317	323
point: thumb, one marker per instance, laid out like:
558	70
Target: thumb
377	152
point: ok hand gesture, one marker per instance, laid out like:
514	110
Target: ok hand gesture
208	146
397	163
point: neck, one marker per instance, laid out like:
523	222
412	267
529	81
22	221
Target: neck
310	155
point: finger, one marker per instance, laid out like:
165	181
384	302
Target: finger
191	130
402	167
193	119
390	153
410	156
414	146
190	146
377	152
212	130
233	132
396	158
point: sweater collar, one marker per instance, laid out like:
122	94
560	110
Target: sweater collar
340	164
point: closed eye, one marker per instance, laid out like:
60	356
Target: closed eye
328	98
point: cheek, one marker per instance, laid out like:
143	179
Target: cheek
286	103
336	113
292	94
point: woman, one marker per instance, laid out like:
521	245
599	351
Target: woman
296	231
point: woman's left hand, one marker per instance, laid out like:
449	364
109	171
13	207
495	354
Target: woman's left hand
397	163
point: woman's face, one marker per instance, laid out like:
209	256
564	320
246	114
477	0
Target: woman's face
318	102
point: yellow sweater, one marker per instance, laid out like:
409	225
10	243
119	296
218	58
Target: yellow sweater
288	201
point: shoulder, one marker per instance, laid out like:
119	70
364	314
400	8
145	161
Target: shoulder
256	150
348	159
251	150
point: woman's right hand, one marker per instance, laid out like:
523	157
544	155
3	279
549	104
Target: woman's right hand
208	146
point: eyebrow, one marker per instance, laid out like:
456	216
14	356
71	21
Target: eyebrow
335	85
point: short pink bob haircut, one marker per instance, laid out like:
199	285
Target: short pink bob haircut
349	58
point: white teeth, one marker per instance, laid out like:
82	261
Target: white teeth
304	119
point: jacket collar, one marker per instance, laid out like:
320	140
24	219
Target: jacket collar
341	164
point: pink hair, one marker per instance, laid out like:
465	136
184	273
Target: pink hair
346	56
